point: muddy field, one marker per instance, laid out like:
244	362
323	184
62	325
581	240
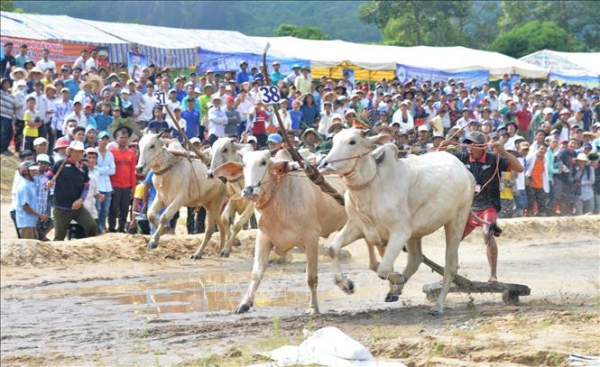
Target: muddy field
109	301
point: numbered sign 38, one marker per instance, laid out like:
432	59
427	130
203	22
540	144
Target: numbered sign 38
270	94
160	98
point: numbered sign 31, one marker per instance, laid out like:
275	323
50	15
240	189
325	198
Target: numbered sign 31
270	94
160	98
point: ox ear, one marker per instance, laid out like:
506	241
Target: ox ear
279	168
239	146
379	139
230	171
365	132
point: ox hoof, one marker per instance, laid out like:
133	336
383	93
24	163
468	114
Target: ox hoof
243	308
347	286
311	311
237	242
152	245
435	312
224	253
392	297
196	257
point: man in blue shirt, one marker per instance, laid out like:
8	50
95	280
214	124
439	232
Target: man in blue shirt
506	83
192	119
104	119
28	212
158	123
73	83
243	75
276	75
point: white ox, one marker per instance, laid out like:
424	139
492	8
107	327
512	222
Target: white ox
180	182
291	211
227	150
394	202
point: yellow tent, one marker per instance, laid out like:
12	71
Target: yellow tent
359	73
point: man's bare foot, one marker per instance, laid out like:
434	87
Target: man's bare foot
492	280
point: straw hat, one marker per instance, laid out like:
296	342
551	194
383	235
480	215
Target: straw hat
17	70
583	157
34	71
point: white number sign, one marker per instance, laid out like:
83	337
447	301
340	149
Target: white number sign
160	98
270	94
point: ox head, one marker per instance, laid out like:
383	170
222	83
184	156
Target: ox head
150	147
257	168
225	150
348	146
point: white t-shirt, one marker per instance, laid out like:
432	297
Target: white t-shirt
146	107
45	65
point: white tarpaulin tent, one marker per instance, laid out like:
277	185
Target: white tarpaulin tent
57	28
328	54
178	47
568	67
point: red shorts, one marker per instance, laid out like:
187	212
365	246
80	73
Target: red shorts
488	214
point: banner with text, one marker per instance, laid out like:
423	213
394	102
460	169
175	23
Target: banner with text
586	81
60	52
135	64
222	62
470	78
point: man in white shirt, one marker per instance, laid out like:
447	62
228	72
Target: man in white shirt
81	60
45	64
245	106
147	103
504	97
91	62
76	115
404	118
493	99
42	104
326	117
217	119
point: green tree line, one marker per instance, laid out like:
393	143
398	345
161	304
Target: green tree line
511	27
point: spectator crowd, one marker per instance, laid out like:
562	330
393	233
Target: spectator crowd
75	129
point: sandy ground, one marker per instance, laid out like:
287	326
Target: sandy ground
110	301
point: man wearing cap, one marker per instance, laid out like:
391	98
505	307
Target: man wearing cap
291	77
27	210
563	187
562	126
233	118
105	168
276	75
40	146
303	81
205	103
62	108
43	195
217	119
192	118
123	180
420	146
71	187
486	203
243	75
275	143
147	104
8	110
22	57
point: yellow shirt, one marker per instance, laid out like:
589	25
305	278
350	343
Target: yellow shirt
32	132
506	193
139	191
